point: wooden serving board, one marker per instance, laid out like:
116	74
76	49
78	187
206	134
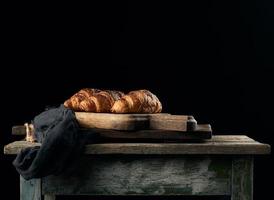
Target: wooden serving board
138	127
131	122
203	131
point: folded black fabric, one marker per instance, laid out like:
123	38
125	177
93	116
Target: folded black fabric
58	131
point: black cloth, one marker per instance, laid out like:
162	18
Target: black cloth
62	142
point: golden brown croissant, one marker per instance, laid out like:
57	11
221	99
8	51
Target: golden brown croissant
93	100
76	99
139	101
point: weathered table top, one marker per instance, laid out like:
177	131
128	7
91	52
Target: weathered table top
219	144
146	174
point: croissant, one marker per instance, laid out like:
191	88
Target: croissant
139	101
93	100
74	102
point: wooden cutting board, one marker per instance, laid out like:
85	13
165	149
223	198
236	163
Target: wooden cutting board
203	131
139	127
131	122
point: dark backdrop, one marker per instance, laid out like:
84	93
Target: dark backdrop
210	59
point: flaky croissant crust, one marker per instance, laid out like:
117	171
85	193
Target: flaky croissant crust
139	101
95	100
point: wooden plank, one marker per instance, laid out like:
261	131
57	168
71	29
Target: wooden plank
15	147
229	145
242	179
30	190
162	121
129	175
231	148
230	138
112	121
172	122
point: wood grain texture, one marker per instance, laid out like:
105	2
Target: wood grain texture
15	147
242	179
222	144
30	190
112	121
162	121
143	176
228	148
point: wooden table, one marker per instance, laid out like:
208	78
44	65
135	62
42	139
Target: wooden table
220	166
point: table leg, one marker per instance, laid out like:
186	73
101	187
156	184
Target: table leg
30	190
242	179
49	197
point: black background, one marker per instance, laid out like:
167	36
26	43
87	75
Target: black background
210	59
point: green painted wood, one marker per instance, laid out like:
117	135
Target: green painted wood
30	190
242	179
139	175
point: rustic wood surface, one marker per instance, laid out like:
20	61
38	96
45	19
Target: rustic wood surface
222	144
179	148
116	175
15	147
112	121
161	121
242	179
172	122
